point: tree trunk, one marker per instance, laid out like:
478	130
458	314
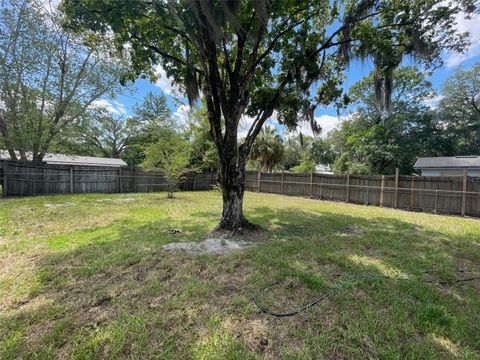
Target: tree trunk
6	141
232	182
39	158
13	154
23	155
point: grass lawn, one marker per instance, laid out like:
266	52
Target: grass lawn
85	276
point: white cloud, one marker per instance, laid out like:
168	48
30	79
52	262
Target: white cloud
466	25
244	125
164	82
114	107
326	122
118	108
182	113
48	105
432	102
50	5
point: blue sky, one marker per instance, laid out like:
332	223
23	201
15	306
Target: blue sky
327	118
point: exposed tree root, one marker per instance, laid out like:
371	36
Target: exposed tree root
240	226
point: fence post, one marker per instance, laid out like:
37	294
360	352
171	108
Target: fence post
311	184
44	181
71	179
5	181
119	180
412	189
347	196
319	188
259	180
367	193
135	179
283	174
478	200
194	178
436	200
395	200
464	191
34	182
382	190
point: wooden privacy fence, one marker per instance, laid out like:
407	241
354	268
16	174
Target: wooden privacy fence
449	195
26	179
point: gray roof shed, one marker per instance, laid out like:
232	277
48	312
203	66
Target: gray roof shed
452	162
62	159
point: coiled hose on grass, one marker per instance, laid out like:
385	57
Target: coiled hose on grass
342	286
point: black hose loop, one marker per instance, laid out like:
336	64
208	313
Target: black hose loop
341	286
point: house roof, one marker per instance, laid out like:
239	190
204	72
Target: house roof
448	162
62	159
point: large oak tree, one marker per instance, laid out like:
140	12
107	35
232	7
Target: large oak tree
257	57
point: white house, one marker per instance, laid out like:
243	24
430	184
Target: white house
448	165
62	159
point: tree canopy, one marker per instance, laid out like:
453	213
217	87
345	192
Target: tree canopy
170	155
203	156
367	143
459	110
267	150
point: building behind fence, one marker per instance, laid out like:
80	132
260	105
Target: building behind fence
451	195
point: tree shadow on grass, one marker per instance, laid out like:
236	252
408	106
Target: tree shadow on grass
123	295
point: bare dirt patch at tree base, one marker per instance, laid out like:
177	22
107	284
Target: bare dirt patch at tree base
214	246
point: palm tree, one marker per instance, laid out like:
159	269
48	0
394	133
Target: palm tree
267	149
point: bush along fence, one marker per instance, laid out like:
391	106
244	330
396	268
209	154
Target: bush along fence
26	179
449	195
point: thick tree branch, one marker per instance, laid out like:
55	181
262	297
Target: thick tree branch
166	55
282	33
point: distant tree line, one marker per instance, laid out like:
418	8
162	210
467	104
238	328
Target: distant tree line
367	141
422	123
